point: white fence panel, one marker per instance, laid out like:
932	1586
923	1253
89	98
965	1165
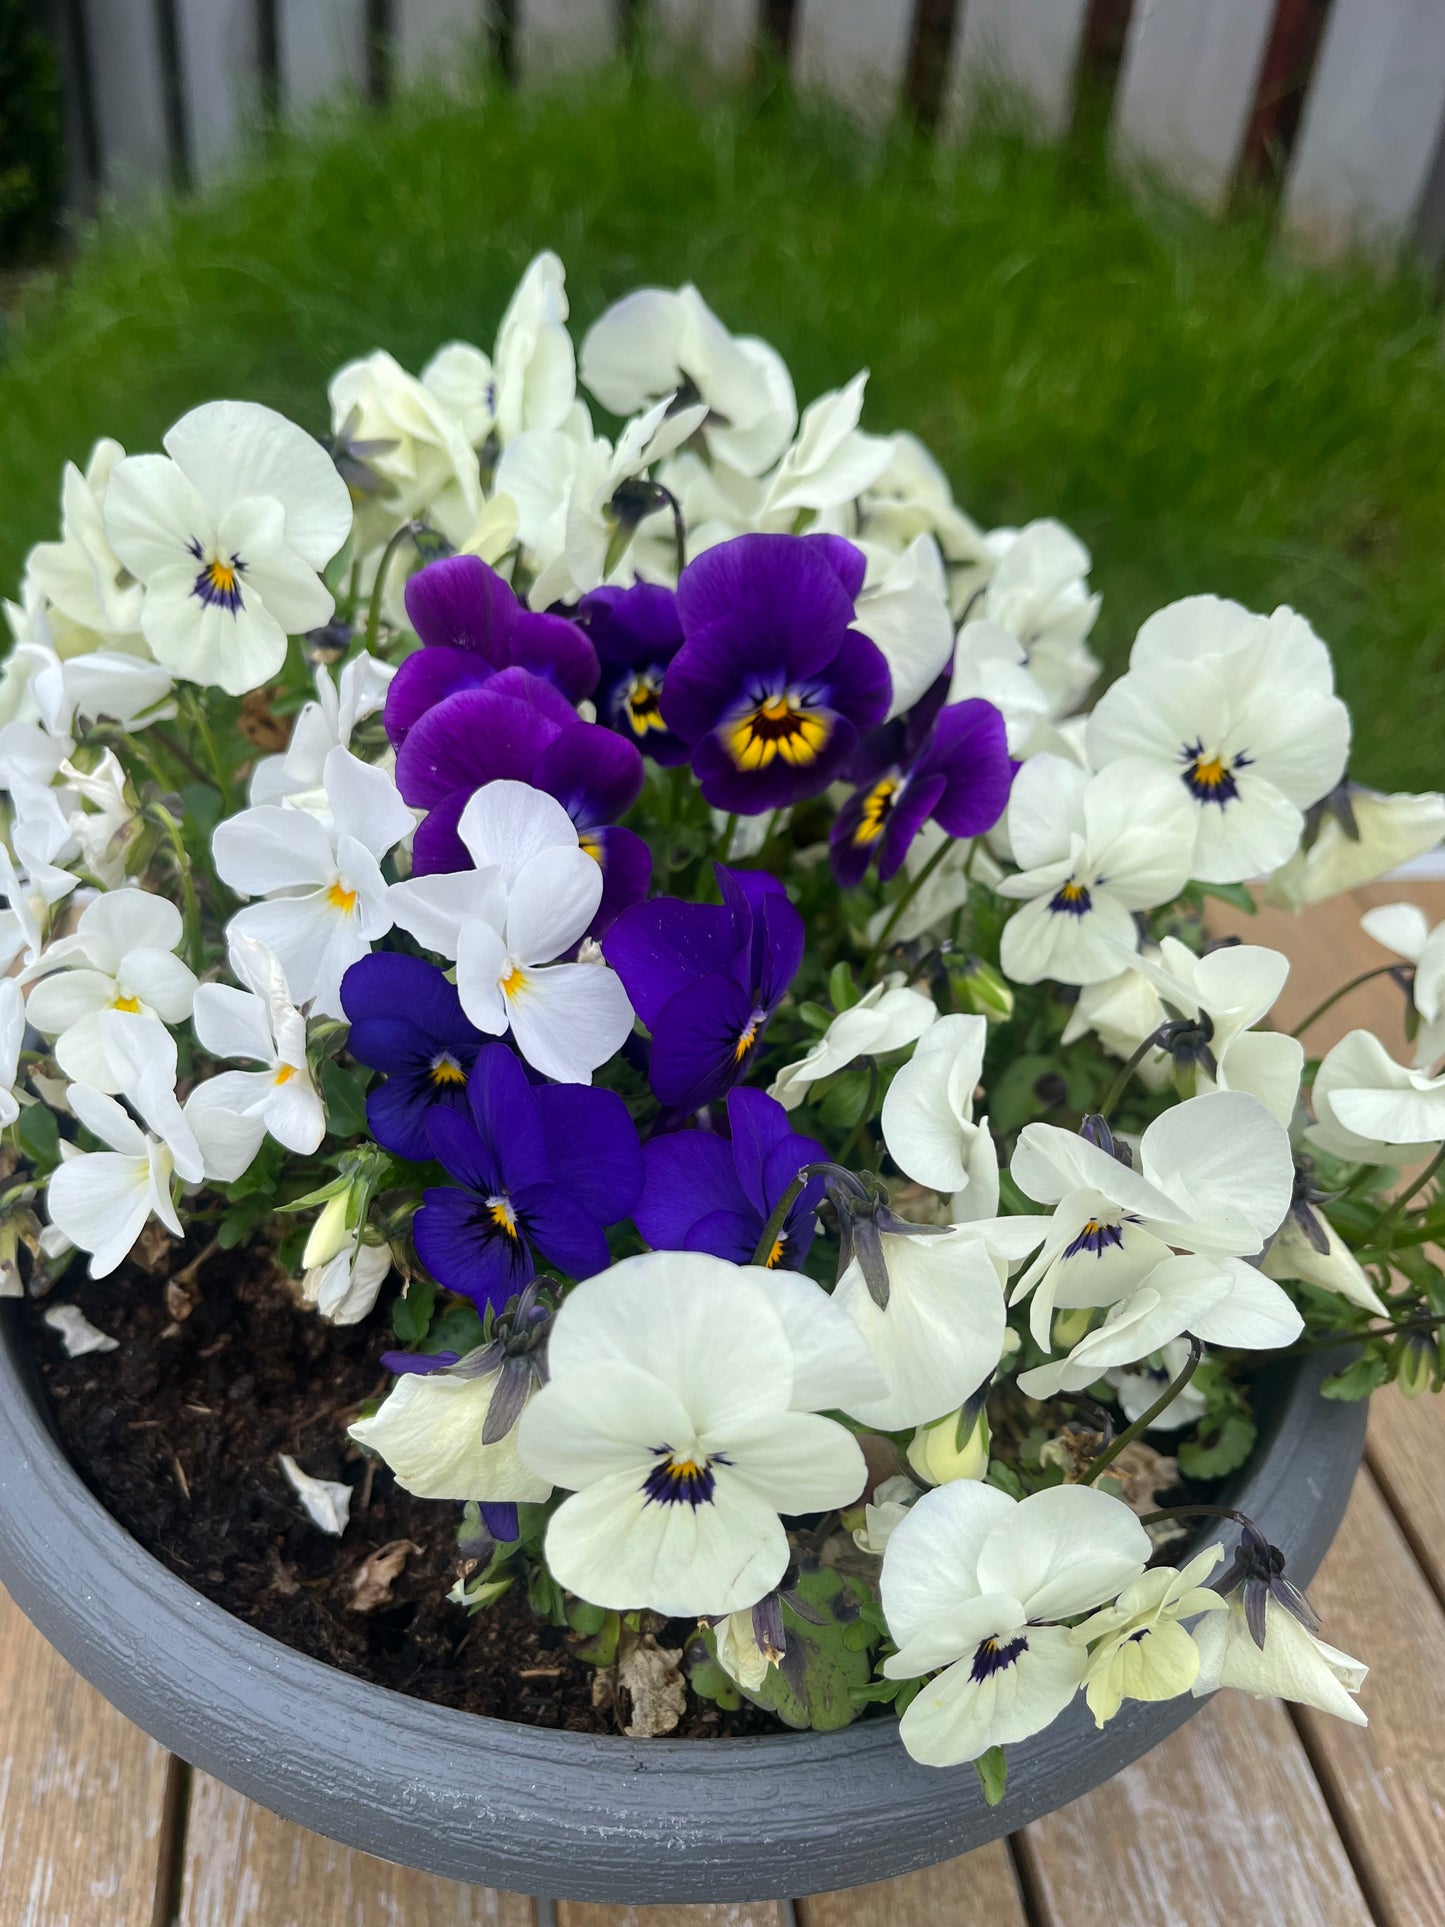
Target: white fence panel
437	37
321	50
1188	86
130	101
1371	123
557	34
1031	46
856	49
220	79
721	32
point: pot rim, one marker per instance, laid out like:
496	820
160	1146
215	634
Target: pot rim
572	1815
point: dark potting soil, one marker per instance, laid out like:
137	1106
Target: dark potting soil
178	1433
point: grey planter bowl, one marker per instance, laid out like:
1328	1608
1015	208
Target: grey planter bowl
573	1815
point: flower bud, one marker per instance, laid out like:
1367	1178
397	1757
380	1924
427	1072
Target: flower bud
953	1447
1070	1327
330	1234
1417	1362
981	989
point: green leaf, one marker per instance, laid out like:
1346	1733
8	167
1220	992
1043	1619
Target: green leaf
1235	893
814	1016
458	1329
1368	1373
1005	1478
814	1683
992	1771
842	1104
345	1096
412	1313
39	1135
841	987
707	1678
1220	1445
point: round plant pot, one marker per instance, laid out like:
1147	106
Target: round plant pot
571	1815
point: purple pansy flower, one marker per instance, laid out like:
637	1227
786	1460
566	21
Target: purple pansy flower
519	726
949	764
407	1020
705	979
636	633
539	1170
772	685
704	1192
471	625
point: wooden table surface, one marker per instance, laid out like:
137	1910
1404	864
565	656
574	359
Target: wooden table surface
1252	1813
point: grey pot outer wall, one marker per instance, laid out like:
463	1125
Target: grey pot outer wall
572	1815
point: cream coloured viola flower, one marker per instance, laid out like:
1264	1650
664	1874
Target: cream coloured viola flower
432	1429
1139	1648
104	832
229	531
889	1017
415	453
1240	711
1353	836
903	609
326	723
928	1122
660	342
1091	851
121	959
974	1583
831	461
1405	929
326	900
345	1287
912	497
12	1037
1308	1247
1121	1012
683	1413
1035	585
1137	1388
102	1200
81	575
990	661
1369	1109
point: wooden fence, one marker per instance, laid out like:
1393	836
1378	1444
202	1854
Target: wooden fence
1338	104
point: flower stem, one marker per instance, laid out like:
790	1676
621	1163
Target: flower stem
1195	1511
778	1216
181	858
378	586
864	1114
1365	977
1116	1089
1146	1419
895	915
196	710
1394	1211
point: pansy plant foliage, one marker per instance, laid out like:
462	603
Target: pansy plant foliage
649	925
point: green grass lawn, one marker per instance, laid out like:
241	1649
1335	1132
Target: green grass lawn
1205	418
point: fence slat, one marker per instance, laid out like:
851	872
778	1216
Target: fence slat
220	78
855	49
436	36
1370	123
722	32
1029	46
321	50
130	101
556	34
1188	86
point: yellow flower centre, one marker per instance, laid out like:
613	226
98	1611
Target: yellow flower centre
641	705
876	806
131	1005
284	1073
775	1256
447	1071
222	578
784	725
590	843
745	1042
515	981
503	1216
341	899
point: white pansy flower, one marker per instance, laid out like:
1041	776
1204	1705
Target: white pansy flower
884	1512
970	1580
345	1286
903	609
928	1121
682	1411
990	661
658	342
48	684
1292	1664
120	959
1370	1108
1405	929
30	882
1294	1253
831	461
429	1430
889	1017
911	498
529	900
104	832
1092	850
1121	1011
460	375
1137	1387
1227	992
1240	711
327	901
327	723
941	1332
1139	1648
414	443
102	1200
12	1036
1038	590
1214	1175
533	360
232	1112
1361	835
229	531
81	574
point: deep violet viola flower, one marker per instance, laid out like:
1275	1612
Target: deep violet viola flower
704	1192
471	625
407	1021
705	979
952	765
772	685
539	1170
519	726
636	633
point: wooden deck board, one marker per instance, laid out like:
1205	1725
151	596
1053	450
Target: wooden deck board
1406	1450
244	1867
728	1913
85	1797
978	1888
